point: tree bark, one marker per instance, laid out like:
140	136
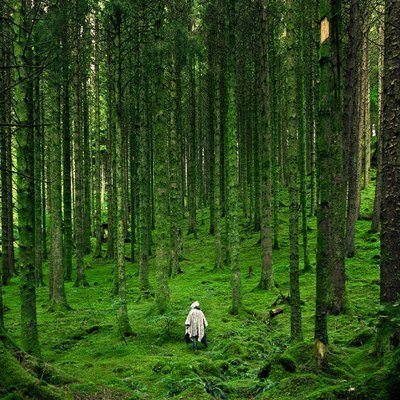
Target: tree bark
390	207
292	94
25	183
376	216
78	146
267	276
330	272
351	127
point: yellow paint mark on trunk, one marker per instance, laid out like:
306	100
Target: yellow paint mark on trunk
324	29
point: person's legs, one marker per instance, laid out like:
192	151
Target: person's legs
204	340
194	338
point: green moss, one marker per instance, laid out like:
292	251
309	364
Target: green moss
157	363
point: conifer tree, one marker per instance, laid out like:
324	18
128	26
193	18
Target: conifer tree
267	278
23	51
390	218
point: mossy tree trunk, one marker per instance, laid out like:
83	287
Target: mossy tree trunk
390	211
124	325
192	159
80	13
293	95
330	275
211	84
365	95
375	225
267	276
274	60
109	154
352	151
233	196
98	154
58	299
38	143
144	181
23	50
7	237
66	141
4	120
161	181
310	61
177	141
301	123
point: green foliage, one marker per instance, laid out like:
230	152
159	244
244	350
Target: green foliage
157	363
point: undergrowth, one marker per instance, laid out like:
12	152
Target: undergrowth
249	356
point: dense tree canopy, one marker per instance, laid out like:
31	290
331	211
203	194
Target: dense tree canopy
136	135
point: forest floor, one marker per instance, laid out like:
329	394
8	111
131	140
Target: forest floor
249	356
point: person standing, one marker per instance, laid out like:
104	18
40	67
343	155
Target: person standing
196	325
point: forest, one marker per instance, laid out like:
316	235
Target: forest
242	154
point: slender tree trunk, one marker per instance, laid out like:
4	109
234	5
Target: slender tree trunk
302	135
294	96
211	73
124	325
78	162
144	188
109	155
66	145
375	226
58	299
366	95
274	120
233	194
25	183
161	183
38	143
390	210
267	276
97	183
7	255
330	265
176	179
256	144
351	126
192	183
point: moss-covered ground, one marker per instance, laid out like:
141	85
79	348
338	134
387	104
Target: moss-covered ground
249	356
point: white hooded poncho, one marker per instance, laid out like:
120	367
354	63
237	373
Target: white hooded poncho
196	322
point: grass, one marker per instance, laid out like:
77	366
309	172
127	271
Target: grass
249	355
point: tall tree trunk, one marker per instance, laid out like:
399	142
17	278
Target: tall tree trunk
365	96
58	299
375	226
25	183
294	86
38	143
161	183
302	135
192	182
7	240
390	210
109	155
66	144
233	195
351	127
144	187
98	155
330	263
123	321
176	137
267	275
78	146
211	73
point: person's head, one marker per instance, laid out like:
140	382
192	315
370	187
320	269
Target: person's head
194	305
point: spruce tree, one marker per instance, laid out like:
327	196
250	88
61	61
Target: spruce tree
23	50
